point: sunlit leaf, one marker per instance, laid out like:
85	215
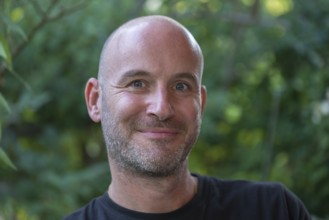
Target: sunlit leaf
278	7
17	14
153	5
6	160
13	27
233	113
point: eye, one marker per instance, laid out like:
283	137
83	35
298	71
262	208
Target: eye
138	84
181	86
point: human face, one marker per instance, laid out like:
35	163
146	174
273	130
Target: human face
151	103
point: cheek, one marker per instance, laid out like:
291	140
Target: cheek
190	109
125	107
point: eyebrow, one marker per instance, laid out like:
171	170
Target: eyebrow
142	73
132	74
189	76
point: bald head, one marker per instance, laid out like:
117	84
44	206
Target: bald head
154	34
149	96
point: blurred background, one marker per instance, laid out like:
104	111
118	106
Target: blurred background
267	113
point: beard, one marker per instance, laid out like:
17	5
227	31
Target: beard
150	158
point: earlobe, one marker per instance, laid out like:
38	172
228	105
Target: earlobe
203	97
92	97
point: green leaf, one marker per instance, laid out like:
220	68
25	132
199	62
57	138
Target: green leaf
5	159
12	26
23	81
5	52
4	103
2	51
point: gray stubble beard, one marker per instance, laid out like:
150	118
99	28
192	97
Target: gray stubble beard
131	158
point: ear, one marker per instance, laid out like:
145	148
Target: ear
92	97
203	97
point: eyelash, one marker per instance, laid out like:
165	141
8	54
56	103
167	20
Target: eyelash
133	84
186	86
140	84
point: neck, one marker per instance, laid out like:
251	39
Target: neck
151	194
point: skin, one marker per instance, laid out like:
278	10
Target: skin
149	100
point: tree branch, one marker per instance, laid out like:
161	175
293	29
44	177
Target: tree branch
46	18
69	10
269	145
37	7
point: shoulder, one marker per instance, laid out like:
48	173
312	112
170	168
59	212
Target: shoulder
241	186
89	211
244	189
254	196
256	188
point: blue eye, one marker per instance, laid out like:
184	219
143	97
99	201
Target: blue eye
137	84
181	86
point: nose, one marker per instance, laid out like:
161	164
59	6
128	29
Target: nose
160	104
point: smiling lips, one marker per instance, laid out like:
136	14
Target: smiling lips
159	133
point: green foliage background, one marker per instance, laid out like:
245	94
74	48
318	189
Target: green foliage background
267	114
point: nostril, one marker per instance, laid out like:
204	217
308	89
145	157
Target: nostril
160	109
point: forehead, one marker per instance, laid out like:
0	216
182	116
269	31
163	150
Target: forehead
156	47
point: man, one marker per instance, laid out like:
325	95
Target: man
149	100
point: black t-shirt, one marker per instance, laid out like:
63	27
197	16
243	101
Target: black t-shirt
216	199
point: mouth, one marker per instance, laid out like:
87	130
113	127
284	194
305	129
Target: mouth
159	133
